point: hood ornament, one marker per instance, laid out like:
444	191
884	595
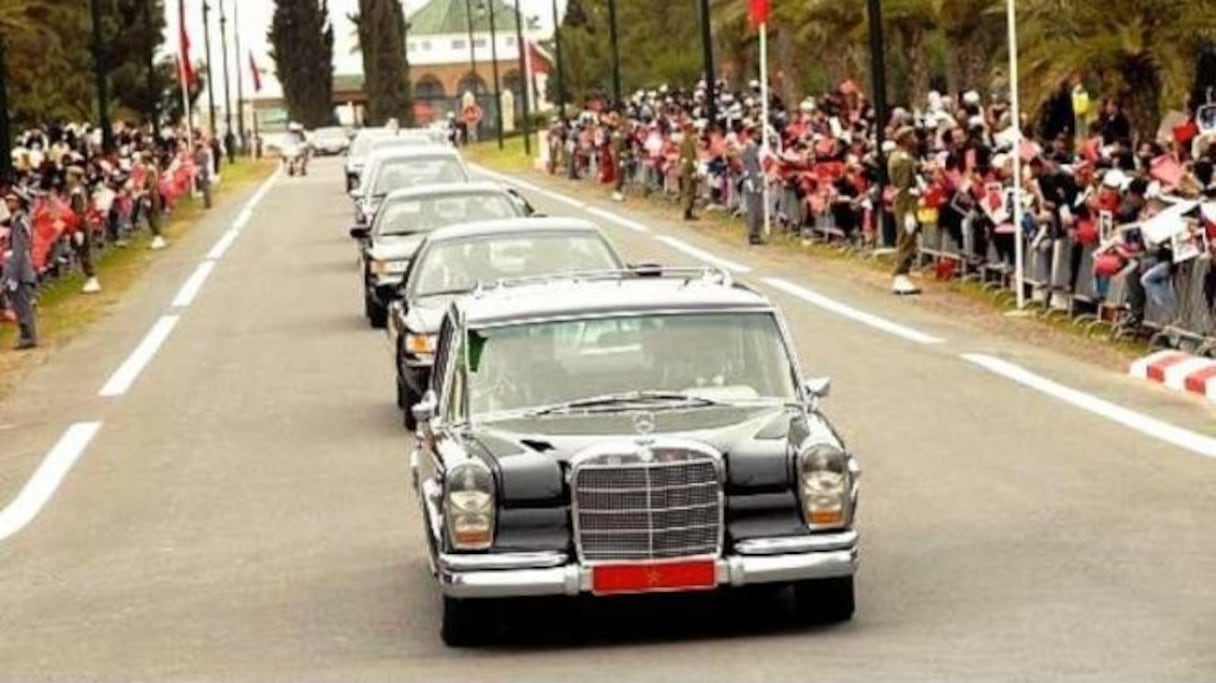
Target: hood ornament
643	424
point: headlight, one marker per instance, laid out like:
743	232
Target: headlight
825	485
420	344
388	267
469	506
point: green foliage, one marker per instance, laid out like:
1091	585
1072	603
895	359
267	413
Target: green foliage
50	64
302	40
382	34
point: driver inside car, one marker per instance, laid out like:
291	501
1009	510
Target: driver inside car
686	362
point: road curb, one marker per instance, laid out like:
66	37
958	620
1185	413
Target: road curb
1179	371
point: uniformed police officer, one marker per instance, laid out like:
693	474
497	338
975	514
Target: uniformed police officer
688	170
753	185
19	276
902	171
620	156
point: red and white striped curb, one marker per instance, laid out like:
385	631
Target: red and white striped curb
1179	371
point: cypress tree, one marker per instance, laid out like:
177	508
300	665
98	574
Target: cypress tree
382	30
302	47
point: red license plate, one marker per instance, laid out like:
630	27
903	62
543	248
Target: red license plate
682	575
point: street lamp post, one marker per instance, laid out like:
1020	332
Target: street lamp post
526	82
240	78
616	54
6	143
153	84
494	69
878	85
561	75
207	47
707	49
468	11
100	73
229	136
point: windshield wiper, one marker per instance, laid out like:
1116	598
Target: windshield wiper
624	399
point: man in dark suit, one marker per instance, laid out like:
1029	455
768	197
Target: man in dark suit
753	186
19	276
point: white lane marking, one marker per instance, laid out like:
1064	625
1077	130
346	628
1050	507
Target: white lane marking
510	180
842	309
257	196
125	375
221	245
701	254
242	218
1150	426
619	220
192	285
559	197
50	473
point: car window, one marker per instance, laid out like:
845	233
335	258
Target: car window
542	364
395	174
442	353
415	216
456	266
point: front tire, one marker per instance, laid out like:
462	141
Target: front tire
824	601
467	623
377	314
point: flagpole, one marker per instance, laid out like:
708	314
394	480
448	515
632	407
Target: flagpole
1019	256
183	77
764	124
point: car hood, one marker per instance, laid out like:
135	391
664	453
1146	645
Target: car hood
395	247
532	455
425	314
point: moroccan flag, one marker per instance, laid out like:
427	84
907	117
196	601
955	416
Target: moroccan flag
257	73
188	75
758	10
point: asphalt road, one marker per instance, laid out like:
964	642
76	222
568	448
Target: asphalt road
243	509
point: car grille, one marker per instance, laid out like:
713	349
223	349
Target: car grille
669	507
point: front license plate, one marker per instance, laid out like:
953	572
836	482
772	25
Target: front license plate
683	575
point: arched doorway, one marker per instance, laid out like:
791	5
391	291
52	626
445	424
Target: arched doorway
512	81
473	83
429	88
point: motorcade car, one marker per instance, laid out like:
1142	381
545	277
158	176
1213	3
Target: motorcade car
634	432
398	168
330	141
408	215
455	260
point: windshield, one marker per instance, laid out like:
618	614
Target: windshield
330	134
715	356
362	144
395	174
412	216
457	266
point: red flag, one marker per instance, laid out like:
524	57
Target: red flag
257	73
758	11
188	74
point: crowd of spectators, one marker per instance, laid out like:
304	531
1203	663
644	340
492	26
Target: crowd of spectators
73	200
1113	225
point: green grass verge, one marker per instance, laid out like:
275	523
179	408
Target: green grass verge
63	312
511	158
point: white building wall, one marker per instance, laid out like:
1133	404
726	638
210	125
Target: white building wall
454	48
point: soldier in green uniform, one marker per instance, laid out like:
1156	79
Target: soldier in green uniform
688	170
901	170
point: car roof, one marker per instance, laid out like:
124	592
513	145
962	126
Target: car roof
419	152
445	189
510	226
675	290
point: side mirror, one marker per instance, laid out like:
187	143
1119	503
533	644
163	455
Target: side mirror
360	232
356	194
424	410
817	389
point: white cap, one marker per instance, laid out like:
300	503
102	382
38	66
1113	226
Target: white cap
971	97
1115	179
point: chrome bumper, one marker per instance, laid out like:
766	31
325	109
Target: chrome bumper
777	560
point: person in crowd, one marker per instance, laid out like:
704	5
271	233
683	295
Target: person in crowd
79	202
202	165
19	276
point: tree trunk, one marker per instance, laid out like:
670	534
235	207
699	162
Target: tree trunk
913	38
1142	97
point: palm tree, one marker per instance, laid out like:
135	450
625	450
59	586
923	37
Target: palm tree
1142	50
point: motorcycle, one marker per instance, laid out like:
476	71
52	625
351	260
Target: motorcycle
295	158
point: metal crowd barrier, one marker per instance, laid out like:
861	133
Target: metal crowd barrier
1058	273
